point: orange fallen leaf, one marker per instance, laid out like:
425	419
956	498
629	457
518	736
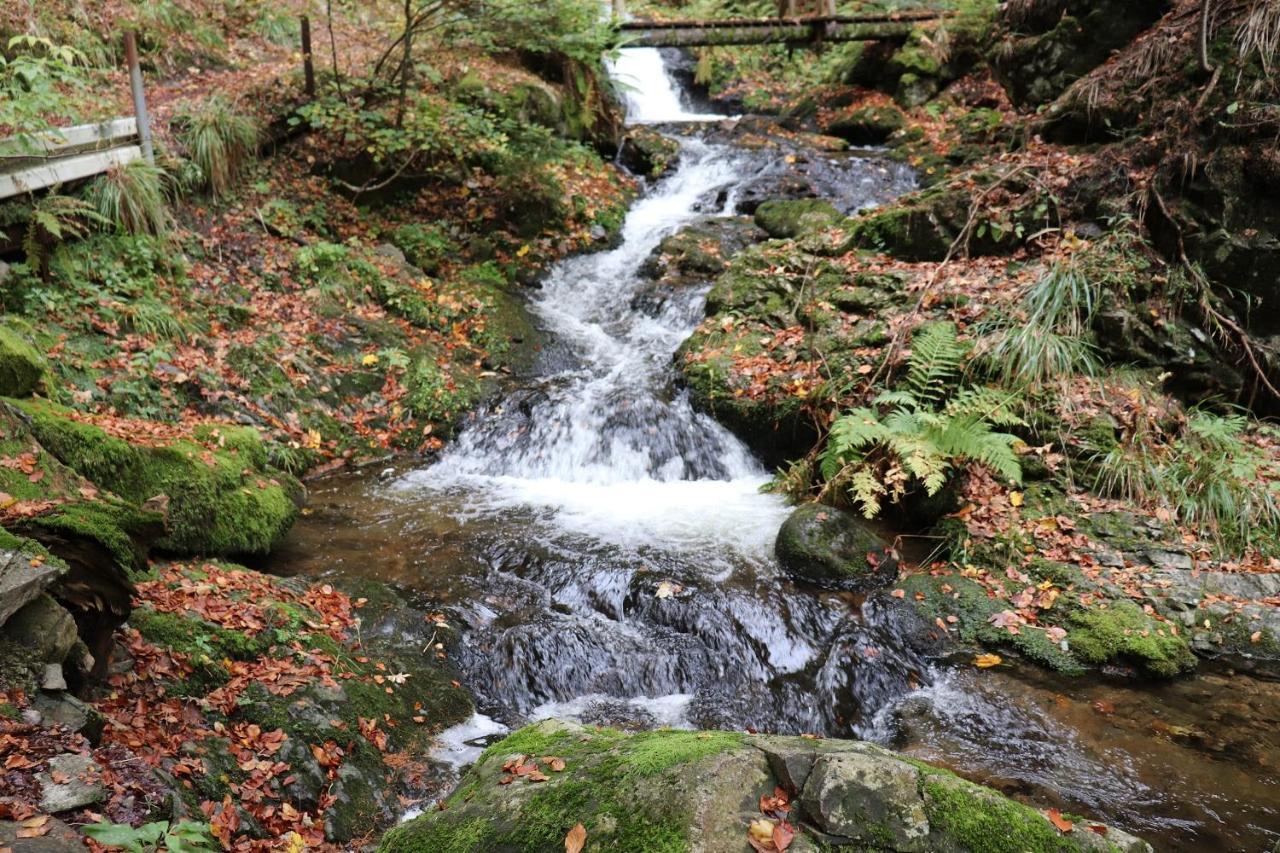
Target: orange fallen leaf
575	839
1056	818
987	661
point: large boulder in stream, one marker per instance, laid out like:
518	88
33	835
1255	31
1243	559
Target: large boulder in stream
683	790
832	547
647	152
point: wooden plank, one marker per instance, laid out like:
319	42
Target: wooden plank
61	171
778	32
736	23
58	141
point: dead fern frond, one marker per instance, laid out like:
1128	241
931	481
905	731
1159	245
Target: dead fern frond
1259	34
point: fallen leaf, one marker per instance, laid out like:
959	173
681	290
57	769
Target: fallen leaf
1015	498
783	835
987	661
1056	818
575	839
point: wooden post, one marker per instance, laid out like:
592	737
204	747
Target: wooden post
308	68
139	96
619	9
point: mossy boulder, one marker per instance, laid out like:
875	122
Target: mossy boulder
647	152
1121	631
223	497
787	218
683	790
21	364
867	125
831	547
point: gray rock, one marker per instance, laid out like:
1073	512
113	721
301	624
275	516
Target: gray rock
66	710
832	547
81	788
21	583
52	679
870	798
705	787
44	628
58	838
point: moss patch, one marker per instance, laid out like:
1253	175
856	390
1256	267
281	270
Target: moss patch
21	365
222	501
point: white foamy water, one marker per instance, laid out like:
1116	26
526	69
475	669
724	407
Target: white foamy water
606	445
651	95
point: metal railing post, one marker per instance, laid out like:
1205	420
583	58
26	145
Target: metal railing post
139	96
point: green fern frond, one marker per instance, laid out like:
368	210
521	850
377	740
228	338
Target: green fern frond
866	490
902	399
937	357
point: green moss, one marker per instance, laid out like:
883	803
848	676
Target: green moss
1122	630
16	667
649	753
440	836
21	365
794	217
195	637
981	820
119	527
215	506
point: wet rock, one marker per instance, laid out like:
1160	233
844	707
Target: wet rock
692	256
867	126
58	838
21	582
682	790
793	218
21	365
81	785
832	547
647	152
53	680
44	628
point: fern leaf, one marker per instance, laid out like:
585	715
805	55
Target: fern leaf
936	358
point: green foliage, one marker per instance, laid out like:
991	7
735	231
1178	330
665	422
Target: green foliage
426	246
37	77
132	197
219	140
1210	476
917	436
55	220
184	837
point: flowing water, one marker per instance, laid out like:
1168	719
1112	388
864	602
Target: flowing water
608	555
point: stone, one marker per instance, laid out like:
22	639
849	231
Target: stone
45	628
647	152
867	126
81	788
788	218
21	365
683	790
867	798
21	582
53	680
833	547
66	710
58	838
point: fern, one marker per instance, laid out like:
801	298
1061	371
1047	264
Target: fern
55	220
916	438
936	359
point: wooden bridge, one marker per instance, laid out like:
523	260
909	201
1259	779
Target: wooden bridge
809	28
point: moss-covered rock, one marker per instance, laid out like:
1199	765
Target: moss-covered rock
832	547
786	218
21	365
867	125
647	152
679	790
223	499
1122	631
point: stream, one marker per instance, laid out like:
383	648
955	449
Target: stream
607	554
